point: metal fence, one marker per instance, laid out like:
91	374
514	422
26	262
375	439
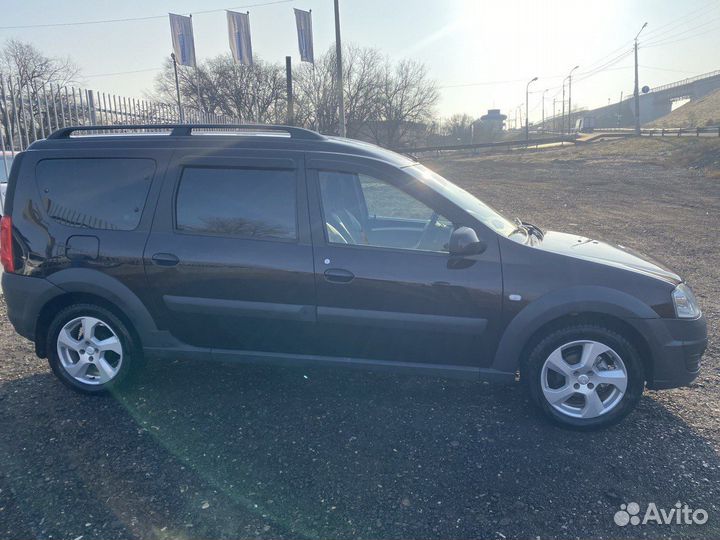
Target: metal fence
31	111
518	143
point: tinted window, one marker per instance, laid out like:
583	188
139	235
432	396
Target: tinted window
95	193
237	202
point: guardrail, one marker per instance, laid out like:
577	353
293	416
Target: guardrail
689	80
498	144
662	132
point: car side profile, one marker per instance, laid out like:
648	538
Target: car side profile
276	244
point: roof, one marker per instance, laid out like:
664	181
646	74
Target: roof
213	136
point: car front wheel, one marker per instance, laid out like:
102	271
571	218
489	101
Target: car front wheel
585	376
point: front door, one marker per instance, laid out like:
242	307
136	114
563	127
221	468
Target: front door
387	287
229	260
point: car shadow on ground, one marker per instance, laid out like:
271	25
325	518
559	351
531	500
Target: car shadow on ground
215	451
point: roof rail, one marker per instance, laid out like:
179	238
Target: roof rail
182	130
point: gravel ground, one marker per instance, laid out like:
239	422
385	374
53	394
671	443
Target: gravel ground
214	451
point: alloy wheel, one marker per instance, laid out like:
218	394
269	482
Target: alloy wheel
584	379
89	350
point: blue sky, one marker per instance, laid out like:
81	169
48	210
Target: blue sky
481	53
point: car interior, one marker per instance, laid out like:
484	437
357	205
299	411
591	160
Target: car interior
362	210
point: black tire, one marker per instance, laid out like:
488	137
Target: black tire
132	359
531	374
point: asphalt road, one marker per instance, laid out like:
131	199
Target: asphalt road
215	451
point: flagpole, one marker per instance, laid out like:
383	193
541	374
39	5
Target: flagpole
289	90
177	89
339	79
197	86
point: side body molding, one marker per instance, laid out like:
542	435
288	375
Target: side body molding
555	304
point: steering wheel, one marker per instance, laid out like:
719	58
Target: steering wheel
429	226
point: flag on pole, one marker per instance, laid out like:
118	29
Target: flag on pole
182	39
239	32
303	19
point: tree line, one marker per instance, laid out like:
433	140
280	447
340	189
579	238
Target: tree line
391	103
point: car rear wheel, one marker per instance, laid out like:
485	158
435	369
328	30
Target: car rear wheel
90	349
585	376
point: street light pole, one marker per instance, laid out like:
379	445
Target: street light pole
339	77
562	123
570	98
543	110
637	87
527	109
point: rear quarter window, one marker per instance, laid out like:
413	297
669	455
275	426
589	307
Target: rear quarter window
95	193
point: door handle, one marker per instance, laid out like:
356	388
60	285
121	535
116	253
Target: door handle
165	259
338	275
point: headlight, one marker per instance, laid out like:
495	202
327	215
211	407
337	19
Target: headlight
686	306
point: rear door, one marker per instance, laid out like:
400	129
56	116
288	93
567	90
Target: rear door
387	287
88	208
229	259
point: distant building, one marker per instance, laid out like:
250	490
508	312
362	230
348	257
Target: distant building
493	115
490	126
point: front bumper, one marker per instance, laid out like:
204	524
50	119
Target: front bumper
677	346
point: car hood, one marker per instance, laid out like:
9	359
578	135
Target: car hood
601	252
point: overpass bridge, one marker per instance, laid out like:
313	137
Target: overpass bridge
653	105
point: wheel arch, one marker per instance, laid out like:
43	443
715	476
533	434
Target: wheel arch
615	309
80	285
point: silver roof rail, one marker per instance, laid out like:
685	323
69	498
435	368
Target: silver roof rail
184	130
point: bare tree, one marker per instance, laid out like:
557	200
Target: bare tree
30	68
27	72
383	102
218	86
315	95
406	104
458	127
362	77
391	104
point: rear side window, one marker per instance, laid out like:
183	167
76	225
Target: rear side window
95	193
237	202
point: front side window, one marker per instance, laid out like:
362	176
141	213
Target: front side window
362	210
250	203
95	193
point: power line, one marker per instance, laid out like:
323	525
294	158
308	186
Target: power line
492	83
97	75
672	38
657	39
671	26
682	39
132	19
667	69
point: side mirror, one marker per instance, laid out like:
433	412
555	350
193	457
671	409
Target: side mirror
464	242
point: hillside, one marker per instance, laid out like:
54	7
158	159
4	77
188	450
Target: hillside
698	113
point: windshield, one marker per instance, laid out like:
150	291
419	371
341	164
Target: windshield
471	204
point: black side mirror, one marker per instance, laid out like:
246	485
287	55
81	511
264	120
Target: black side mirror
464	242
